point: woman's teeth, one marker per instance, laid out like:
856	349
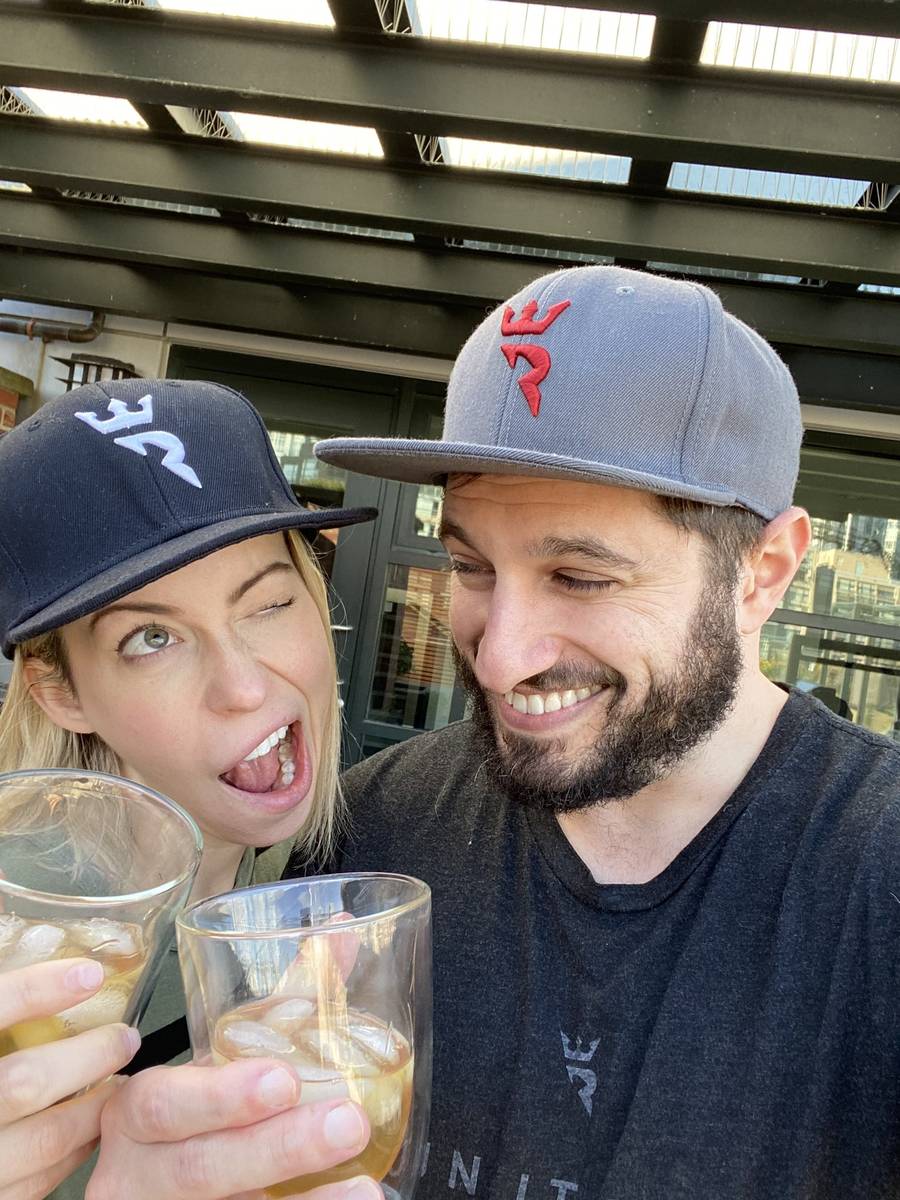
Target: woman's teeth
538	703
267	744
286	758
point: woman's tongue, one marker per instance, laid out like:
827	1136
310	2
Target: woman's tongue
258	775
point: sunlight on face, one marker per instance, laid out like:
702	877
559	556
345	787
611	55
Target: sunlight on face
595	646
188	676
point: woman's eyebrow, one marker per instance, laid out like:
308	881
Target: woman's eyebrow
271	569
168	610
172	610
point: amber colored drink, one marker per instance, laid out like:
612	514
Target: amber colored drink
336	1053
118	945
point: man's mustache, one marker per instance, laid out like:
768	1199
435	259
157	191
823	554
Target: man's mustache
561	677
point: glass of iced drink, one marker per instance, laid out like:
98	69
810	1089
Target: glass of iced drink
91	866
331	975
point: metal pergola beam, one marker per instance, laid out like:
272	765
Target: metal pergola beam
413	85
450	277
859	16
348	318
444	201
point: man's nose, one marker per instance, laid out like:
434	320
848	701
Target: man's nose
237	679
515	642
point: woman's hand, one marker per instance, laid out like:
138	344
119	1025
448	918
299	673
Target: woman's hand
217	1133
41	1145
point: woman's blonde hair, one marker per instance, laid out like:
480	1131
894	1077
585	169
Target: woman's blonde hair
30	740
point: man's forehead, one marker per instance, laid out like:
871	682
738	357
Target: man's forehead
538	492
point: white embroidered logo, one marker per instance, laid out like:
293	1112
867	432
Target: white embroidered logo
125	418
586	1077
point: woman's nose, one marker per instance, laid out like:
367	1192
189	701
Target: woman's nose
237	680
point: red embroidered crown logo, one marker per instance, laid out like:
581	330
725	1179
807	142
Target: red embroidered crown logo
537	357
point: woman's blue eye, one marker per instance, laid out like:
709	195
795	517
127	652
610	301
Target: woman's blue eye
148	640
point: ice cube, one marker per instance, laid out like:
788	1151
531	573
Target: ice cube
37	944
290	1013
383	1100
318	1082
113	937
11	928
379	1040
107	1007
252	1039
336	1048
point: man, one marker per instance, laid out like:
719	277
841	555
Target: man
666	914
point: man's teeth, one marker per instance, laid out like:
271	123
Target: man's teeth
267	744
538	703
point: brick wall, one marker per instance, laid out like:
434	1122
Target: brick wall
8	404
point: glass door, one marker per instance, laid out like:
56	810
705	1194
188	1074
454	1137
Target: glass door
404	671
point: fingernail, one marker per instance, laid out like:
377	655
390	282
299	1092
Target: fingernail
344	1127
84	975
132	1039
278	1088
362	1188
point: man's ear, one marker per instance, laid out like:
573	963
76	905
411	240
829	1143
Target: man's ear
56	697
772	566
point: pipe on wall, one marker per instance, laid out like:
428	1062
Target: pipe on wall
53	331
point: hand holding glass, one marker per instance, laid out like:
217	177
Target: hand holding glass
91	866
331	975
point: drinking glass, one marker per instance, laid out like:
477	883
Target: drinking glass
91	866
332	975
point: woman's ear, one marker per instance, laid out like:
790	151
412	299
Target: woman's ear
56	697
772	566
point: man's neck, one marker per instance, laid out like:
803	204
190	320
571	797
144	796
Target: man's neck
634	840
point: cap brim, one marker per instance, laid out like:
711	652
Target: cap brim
152	564
410	461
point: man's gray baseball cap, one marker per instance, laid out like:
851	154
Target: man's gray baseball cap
611	376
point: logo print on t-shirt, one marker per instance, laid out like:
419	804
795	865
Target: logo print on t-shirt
582	1076
125	418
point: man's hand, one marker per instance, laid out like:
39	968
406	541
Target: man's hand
218	1133
41	1145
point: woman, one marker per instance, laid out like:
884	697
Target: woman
168	622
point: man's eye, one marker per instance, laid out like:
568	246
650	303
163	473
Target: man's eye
148	640
574	584
458	567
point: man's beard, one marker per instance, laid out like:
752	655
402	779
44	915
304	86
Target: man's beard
639	743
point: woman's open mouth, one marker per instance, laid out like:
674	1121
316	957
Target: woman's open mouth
277	772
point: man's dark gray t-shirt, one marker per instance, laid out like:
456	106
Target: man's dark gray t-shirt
728	1031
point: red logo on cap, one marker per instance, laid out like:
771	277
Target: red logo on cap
526	323
539	359
536	356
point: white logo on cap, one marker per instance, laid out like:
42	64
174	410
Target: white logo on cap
125	418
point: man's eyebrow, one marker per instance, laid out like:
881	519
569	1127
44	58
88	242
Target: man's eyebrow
450	529
170	610
583	546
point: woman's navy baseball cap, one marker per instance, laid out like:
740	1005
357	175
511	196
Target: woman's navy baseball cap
119	483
